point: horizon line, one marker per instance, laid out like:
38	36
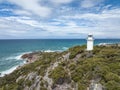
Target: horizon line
52	38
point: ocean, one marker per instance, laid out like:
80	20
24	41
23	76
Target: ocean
11	50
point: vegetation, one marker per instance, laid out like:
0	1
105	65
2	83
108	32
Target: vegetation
102	64
59	75
38	66
76	50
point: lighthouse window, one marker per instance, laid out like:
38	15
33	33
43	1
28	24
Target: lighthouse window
90	36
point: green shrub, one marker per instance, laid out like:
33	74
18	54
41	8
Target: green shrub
82	86
75	50
28	83
112	85
111	76
72	66
20	82
59	75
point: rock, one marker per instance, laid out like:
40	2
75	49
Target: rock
26	88
66	56
64	86
30	57
21	77
25	56
31	76
95	86
34	78
60	81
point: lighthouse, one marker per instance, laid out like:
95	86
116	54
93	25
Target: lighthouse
90	42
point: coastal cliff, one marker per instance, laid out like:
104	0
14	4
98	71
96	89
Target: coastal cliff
74	69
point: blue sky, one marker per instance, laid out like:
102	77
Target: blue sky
26	19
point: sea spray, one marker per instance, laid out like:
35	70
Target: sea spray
16	57
3	73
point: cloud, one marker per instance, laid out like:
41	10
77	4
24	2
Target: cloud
59	19
26	21
20	27
90	3
22	12
112	13
100	24
61	1
33	6
5	10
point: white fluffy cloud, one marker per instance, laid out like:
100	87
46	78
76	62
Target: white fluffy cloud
15	27
61	1
102	24
68	23
90	3
22	12
105	14
32	6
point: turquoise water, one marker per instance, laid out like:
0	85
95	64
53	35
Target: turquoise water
11	50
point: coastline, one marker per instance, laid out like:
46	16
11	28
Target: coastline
45	69
29	57
10	70
33	56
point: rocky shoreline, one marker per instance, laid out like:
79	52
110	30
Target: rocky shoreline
74	69
30	57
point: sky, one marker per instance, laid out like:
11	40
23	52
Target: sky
54	19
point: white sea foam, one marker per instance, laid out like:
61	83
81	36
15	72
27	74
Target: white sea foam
8	71
103	44
10	57
49	51
16	57
65	48
53	51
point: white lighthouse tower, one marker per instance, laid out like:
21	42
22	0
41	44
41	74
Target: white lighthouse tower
90	42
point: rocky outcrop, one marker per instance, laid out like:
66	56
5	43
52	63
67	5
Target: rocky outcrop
30	57
95	85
